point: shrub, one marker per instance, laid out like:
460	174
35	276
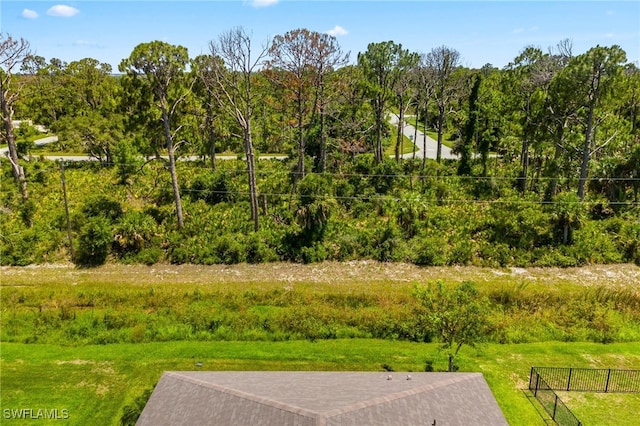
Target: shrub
592	245
127	160
147	256
258	249
388	243
629	241
462	251
230	249
27	211
343	243
93	243
384	175
213	188
429	251
496	254
104	206
314	253
131	412
17	248
134	232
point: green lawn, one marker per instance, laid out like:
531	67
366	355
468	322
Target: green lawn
390	149
93	383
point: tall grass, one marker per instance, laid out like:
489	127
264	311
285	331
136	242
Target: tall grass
93	340
95	308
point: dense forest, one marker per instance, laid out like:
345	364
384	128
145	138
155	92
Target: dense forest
288	151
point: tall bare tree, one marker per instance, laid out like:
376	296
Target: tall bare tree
443	61
14	53
301	60
292	58
163	65
352	116
233	76
328	57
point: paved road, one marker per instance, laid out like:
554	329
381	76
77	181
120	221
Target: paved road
50	139
37	142
432	144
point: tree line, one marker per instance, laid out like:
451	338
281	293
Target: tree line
562	129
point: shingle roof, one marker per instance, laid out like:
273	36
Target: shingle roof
321	398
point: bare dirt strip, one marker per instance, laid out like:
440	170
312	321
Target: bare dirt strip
618	275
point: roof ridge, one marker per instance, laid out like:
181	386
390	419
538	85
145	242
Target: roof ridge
322	416
447	381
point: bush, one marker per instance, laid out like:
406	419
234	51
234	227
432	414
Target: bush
127	160
93	243
388	243
429	251
17	248
592	245
27	211
629	241
134	232
313	254
462	251
258	249
131	412
230	249
213	188
147	256
102	206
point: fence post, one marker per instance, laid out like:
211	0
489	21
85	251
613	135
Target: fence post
569	379
555	405
606	387
535	392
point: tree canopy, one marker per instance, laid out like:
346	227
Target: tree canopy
525	139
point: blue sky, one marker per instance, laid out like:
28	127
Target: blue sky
482	31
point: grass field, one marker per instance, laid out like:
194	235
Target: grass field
93	383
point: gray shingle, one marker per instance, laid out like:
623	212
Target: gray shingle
321	398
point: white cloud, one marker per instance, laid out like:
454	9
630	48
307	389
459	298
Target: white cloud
263	3
534	28
609	35
610	13
29	14
62	10
518	30
337	31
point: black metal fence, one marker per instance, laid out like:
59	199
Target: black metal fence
543	381
590	379
550	401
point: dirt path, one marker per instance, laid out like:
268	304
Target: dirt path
326	273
